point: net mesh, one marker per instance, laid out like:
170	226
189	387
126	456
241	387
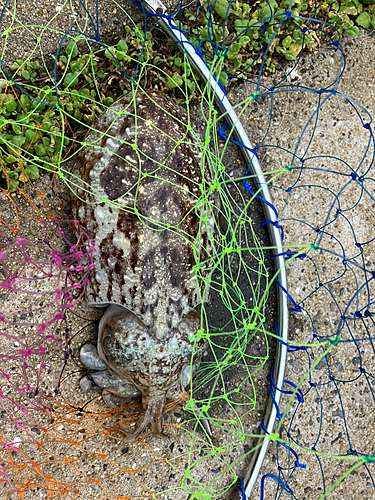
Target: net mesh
316	148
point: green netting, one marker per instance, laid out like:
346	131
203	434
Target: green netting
47	107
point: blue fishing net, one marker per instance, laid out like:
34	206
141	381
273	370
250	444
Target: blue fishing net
282	71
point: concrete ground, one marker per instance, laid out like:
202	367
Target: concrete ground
338	409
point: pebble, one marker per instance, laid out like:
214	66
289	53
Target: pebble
85	384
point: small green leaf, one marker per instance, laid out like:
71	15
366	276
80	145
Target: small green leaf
290	55
18	140
286	42
16	128
10	105
25	101
178	62
85	93
75	95
51	99
364	20
23	177
30	135
71	80
190	85
110	53
35	65
123	46
235	48
75	66
244	40
25	74
295	47
57	145
11	159
221	7
122	56
46	125
223	78
100	74
32	172
89	118
353	31
175	81
23	119
55	157
72	49
241	25
40	150
349	10
13	181
108	101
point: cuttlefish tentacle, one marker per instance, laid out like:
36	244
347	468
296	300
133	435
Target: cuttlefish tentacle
152	411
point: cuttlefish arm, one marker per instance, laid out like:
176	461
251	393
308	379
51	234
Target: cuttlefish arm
155	366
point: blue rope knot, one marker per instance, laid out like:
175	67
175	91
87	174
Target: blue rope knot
199	52
275	223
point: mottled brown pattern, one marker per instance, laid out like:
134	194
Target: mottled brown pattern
167	195
144	259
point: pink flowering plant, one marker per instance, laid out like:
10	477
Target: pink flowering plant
34	343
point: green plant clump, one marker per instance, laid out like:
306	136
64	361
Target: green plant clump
31	133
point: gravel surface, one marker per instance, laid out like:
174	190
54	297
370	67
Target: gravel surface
50	21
